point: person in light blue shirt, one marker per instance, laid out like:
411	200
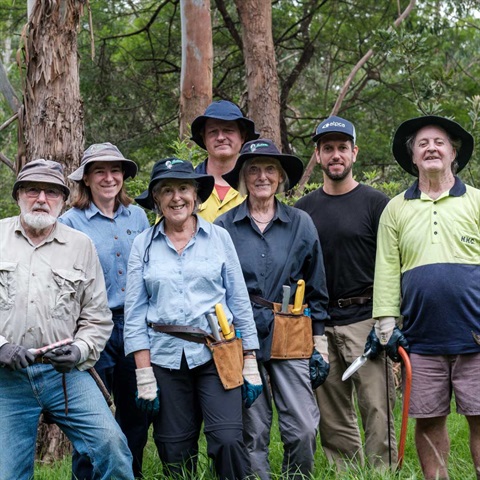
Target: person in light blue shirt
178	271
103	211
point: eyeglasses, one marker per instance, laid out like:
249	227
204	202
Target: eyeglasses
50	193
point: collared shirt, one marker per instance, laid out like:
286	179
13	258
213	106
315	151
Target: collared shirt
428	268
213	207
288	250
113	239
52	291
167	288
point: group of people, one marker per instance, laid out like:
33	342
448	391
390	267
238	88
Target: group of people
234	302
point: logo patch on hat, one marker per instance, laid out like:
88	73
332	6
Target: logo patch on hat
170	163
334	124
254	146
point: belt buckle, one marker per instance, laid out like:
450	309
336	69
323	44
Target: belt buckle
340	302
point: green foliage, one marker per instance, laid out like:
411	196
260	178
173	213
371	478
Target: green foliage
460	464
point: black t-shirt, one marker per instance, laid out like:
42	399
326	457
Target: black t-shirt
347	226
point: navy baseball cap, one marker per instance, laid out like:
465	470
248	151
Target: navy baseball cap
222	110
335	125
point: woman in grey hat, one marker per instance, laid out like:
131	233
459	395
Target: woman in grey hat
180	271
278	246
103	211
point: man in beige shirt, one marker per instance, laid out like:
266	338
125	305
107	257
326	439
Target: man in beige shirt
52	288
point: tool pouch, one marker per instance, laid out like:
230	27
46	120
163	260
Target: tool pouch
227	354
292	334
228	358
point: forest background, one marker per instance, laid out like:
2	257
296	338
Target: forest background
373	63
130	70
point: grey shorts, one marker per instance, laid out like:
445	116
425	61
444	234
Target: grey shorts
436	377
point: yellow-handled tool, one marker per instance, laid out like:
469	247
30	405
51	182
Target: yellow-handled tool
299	295
227	331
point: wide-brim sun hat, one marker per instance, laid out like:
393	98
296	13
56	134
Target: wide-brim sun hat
222	110
409	127
44	171
174	168
104	152
264	147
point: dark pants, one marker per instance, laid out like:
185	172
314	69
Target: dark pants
188	397
118	374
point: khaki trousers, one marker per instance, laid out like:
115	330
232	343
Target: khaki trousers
339	426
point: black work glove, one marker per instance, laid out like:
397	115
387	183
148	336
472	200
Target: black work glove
396	340
319	369
373	344
64	359
15	356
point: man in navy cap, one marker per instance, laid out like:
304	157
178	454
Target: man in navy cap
221	131
346	214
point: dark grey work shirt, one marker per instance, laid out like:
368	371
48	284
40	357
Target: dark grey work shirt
288	250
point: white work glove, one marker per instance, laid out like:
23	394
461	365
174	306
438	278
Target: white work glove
147	391
384	328
250	371
321	346
252	386
146	383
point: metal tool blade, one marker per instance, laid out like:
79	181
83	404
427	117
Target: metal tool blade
285	298
359	362
212	321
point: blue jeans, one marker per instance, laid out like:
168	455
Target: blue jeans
89	424
118	374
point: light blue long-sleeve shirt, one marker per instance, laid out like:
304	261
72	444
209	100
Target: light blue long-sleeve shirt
113	239
181	289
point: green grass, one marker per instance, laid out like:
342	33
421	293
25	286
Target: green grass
460	463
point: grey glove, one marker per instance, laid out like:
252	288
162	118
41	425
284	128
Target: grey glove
64	359
15	356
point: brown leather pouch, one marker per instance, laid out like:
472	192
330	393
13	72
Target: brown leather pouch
227	354
228	358
292	334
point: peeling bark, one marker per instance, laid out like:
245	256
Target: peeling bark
53	109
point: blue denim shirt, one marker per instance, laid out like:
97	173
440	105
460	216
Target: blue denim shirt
181	289
288	250
113	239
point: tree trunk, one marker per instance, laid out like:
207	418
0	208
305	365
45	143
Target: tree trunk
197	61
53	110
260	65
51	120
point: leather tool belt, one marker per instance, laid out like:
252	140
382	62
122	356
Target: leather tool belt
365	297
292	333
227	354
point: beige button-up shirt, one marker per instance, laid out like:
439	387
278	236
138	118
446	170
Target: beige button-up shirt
52	291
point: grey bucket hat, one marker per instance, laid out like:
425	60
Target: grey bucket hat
45	171
104	152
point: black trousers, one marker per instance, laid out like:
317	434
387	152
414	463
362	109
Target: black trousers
189	397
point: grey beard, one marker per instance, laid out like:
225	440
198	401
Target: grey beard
38	221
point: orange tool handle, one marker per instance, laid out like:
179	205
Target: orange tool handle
406	403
